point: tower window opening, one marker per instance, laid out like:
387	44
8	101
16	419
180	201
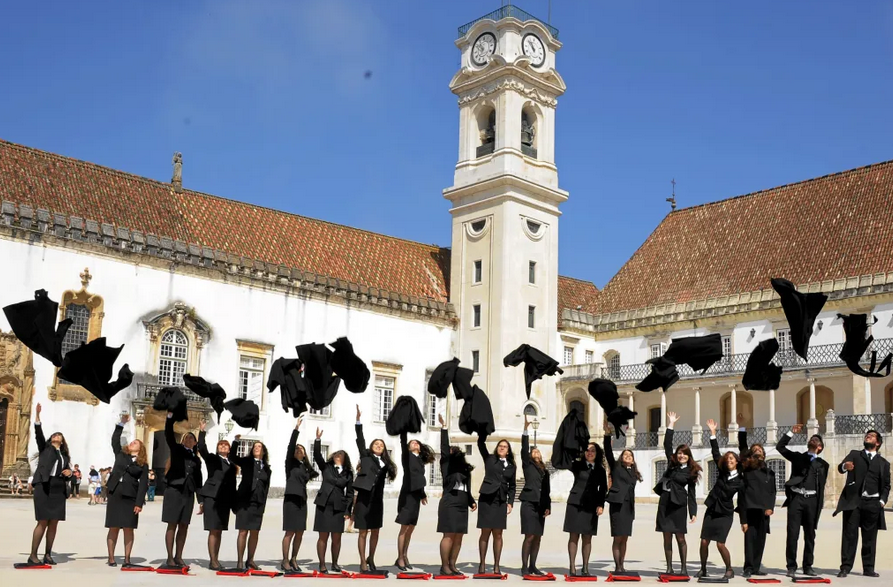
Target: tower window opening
487	132
528	134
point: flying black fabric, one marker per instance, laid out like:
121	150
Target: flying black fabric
476	416
209	391
698	352
286	375
462	387
349	367
405	416
442	378
571	440
855	346
605	393
34	323
171	399
761	373
801	311
90	366
245	412
663	374
321	383
536	364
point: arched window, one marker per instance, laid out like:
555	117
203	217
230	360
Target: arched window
660	467
530	410
528	133
486	120
780	468
612	358
579	406
172	358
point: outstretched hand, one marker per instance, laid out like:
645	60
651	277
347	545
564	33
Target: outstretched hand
125	418
439	419
318	433
711	424
848	466
201	427
299	422
358	413
526	422
672	417
37	417
797	428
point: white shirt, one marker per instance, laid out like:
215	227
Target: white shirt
504	462
733	473
460	487
338	469
380	462
871	454
56	464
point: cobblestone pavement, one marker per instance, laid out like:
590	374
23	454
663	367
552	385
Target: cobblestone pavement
80	547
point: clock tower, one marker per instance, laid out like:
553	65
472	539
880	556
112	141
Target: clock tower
505	199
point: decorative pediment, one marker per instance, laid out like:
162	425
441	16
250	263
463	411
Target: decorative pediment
181	317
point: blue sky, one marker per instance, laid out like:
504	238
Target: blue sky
268	103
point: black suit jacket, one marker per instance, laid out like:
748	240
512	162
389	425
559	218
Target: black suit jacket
130	479
248	492
759	484
800	464
851	495
370	474
47	459
221	483
336	488
296	474
623	480
499	479
721	498
449	477
185	472
537	488
413	469
680	482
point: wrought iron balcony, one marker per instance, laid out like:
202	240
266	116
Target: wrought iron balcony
146	392
508	12
587	371
859	423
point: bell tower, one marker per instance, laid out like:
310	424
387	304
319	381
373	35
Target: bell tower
505	199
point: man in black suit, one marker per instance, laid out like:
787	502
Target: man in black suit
862	503
804	495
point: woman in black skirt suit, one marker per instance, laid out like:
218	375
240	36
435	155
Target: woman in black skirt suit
251	499
368	515
452	513
621	499
720	505
182	479
334	501
585	503
536	503
298	472
677	497
127	485
217	495
759	502
497	496
413	459
50	485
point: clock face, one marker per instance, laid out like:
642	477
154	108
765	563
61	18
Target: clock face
534	49
483	49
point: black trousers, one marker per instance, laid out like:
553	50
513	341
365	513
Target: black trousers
755	539
865	518
802	512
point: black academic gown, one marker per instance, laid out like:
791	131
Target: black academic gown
412	489
218	493
677	494
622	494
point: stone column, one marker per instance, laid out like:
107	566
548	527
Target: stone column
662	429
631	429
697	432
812	425
771	425
733	407
830	420
598	427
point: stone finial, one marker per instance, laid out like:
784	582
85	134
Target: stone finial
177	179
85	278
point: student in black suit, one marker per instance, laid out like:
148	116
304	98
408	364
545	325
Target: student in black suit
804	496
217	495
50	485
497	496
127	485
536	503
862	502
622	498
413	459
585	503
334	502
759	503
182	480
720	505
251	498
452	513
298	472
677	497
368	515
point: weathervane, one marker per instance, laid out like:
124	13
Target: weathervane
672	199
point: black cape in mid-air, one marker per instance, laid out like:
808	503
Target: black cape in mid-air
286	375
405	417
210	391
349	367
856	344
604	391
698	352
91	366
34	323
245	412
801	310
570	441
536	364
172	399
476	415
663	375
319	378
442	378
761	374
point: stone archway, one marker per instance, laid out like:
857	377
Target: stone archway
824	401
17	391
743	413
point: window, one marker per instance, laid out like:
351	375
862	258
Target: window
476	316
784	339
433	408
727	347
712	474
79	329
779	466
172	360
658	349
530	410
384	397
476	361
243	448
324	449
531	316
531	272
589	357
326	412
434	477
478	271
568	355
251	379
468	449
577	405
614	366
533	227
660	467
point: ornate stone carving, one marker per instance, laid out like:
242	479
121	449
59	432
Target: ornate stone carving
177	162
509	84
183	318
17	387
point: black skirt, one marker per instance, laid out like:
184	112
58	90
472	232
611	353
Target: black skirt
119	511
294	514
368	511
622	517
250	517
177	506
580	521
452	513
716	526
408	507
492	512
671	518
328	520
533	520
49	499
216	516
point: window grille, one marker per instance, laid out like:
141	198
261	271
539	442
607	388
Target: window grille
172	359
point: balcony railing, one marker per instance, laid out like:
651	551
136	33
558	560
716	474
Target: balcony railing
587	371
860	423
508	12
146	392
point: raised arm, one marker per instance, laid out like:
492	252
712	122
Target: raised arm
361	440
404	451
317	452
169	433
782	446
743	449
116	438
202	445
525	446
714	444
609	452
672	418
482	447
38	432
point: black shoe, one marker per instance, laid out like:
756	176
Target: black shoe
111	564
669	570
179	562
699	574
215	568
525	572
746	574
371	564
537	572
408	564
400	568
730	574
869	574
791	573
457	573
285	569
48	560
296	569
810	572
760	573
584	573
445	573
843	573
336	568
252	566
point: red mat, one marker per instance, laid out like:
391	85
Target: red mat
450	577
491	576
380	575
298	575
27	566
665	578
623	577
233	572
546	577
137	569
574	578
341	575
758	581
173	571
811	580
418	576
259	573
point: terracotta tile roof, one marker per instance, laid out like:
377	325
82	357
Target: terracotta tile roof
73	187
576	293
830	227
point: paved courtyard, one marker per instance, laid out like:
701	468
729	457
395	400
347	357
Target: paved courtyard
80	547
